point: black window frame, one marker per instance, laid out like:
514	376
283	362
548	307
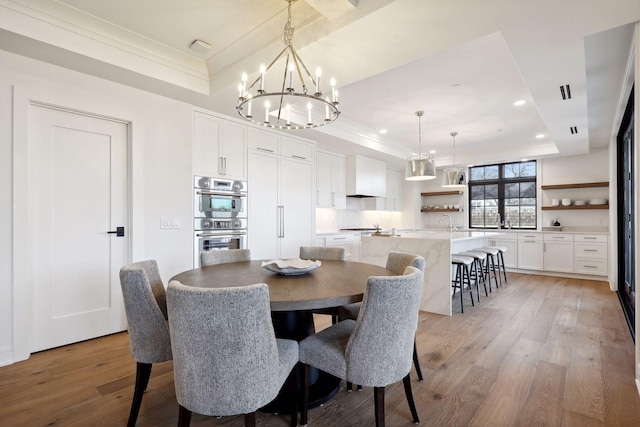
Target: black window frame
501	181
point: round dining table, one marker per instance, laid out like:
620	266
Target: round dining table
293	299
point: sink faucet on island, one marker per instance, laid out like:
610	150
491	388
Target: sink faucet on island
436	246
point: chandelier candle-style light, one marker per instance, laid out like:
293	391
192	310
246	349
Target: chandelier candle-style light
422	166
296	101
454	177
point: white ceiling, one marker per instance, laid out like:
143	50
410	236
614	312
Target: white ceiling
463	62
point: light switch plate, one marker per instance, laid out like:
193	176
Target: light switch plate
170	223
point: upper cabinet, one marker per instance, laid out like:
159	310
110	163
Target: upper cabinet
584	203
331	181
366	177
220	148
394	190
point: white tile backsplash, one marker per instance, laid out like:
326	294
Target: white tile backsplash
331	220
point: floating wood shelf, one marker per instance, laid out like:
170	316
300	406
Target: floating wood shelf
441	210
442	193
574	207
581	185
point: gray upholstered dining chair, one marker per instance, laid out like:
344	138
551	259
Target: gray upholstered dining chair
324	253
396	262
226	358
146	309
374	350
224	256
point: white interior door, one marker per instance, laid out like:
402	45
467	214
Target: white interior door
77	194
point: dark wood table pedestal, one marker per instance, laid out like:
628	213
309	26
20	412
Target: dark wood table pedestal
297	325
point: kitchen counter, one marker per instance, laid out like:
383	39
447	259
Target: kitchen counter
436	247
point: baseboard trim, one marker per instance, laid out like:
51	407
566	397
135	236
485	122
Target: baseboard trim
6	355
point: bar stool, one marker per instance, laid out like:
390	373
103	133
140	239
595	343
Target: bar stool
501	266
463	265
491	265
477	269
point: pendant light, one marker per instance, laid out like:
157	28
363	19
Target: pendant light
421	167
454	177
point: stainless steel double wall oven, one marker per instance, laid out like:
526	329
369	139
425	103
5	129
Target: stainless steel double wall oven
220	215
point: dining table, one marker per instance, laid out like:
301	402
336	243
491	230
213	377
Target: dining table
293	299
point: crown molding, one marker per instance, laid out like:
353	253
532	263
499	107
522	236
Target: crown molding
73	30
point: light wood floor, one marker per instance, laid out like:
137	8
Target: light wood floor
540	351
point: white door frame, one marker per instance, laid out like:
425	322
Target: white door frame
23	99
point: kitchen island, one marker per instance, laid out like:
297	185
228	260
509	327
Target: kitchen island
436	246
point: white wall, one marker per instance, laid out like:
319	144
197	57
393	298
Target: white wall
161	168
592	167
6	290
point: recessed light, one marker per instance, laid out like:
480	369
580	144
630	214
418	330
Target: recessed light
540	136
519	102
432	152
382	131
524	160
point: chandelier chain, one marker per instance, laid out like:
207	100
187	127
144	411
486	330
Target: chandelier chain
287	34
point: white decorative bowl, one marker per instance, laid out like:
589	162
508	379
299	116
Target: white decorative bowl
566	202
555	202
291	267
579	203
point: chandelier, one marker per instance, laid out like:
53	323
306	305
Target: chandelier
454	177
296	101
420	167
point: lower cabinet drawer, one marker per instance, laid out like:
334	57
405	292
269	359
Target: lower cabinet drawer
591	266
590	250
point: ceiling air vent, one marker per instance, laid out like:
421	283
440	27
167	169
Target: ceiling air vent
574	130
565	91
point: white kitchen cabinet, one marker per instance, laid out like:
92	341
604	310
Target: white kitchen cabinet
220	148
558	252
394	190
530	251
297	149
509	241
591	254
280	200
331	181
350	242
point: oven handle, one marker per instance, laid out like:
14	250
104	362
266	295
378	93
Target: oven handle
219	193
225	234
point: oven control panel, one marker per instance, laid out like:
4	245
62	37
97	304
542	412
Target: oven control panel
219	224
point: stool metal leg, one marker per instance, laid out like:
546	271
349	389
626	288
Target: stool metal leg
501	264
466	270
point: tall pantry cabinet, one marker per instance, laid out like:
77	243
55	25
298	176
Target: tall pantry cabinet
281	195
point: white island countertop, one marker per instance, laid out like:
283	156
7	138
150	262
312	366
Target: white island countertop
436	247
445	234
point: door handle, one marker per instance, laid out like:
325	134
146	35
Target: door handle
119	232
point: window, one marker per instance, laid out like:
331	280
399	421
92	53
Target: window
505	191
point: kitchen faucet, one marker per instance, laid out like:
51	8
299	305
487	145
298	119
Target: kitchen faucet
500	224
450	226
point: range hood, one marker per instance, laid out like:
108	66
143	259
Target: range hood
366	177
